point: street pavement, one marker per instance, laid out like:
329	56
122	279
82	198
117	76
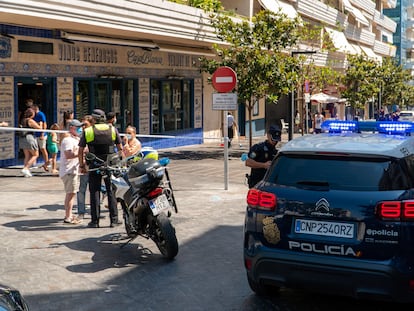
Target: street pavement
59	266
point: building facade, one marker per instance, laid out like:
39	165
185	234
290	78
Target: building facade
141	60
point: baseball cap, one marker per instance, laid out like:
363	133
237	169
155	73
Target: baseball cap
98	114
275	133
76	123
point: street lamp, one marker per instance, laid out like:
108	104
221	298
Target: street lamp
292	98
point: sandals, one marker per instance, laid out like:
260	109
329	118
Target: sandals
73	221
45	167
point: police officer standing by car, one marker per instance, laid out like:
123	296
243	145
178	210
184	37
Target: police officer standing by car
260	155
101	139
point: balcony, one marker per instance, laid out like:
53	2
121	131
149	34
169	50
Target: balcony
384	49
384	21
365	5
319	11
359	35
389	4
156	19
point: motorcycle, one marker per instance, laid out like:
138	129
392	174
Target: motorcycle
144	190
11	299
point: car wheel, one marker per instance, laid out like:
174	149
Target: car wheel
262	289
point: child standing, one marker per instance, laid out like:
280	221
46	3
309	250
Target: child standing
52	147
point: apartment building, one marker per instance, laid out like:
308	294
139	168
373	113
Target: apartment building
140	59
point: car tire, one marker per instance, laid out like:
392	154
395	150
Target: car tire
263	289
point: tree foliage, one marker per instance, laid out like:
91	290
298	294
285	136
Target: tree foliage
254	51
366	79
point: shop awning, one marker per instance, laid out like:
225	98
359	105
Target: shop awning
357	48
276	5
355	12
340	41
370	53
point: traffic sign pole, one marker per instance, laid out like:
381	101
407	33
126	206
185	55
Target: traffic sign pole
224	80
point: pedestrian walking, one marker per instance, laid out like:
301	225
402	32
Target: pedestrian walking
231	126
53	148
41	137
28	141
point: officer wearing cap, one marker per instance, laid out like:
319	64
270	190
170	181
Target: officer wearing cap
101	139
260	155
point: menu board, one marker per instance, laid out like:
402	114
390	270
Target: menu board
7	115
64	96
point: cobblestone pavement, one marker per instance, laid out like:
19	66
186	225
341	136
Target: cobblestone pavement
71	267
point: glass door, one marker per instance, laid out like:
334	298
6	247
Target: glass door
102	95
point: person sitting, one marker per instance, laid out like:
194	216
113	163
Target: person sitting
131	144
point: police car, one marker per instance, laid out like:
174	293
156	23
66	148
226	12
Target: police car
335	214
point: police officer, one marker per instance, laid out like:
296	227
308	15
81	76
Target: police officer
260	155
101	139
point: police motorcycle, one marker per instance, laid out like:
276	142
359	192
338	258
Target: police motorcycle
11	299
141	184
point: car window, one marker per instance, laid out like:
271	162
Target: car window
339	173
406	114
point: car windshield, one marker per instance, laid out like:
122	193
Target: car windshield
338	173
406	114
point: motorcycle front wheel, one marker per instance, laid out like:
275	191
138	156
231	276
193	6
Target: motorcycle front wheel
164	236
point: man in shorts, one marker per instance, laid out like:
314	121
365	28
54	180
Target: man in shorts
41	137
69	168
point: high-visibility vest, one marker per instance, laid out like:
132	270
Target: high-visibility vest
100	139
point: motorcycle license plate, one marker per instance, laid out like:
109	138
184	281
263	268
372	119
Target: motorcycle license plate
159	204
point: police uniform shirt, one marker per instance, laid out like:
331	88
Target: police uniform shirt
261	152
103	141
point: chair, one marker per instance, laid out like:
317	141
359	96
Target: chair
285	126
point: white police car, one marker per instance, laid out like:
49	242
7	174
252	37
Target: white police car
335	214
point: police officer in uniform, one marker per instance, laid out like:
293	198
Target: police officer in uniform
101	139
260	155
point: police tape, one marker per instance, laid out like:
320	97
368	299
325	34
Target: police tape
20	129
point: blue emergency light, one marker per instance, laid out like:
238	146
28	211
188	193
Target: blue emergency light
395	128
337	126
384	127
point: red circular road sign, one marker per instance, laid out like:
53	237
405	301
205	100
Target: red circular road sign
224	79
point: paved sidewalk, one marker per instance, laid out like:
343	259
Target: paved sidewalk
58	266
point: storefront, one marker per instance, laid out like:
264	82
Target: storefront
158	92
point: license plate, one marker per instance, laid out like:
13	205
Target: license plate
325	228
159	204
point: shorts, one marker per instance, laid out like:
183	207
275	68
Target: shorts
70	183
53	148
41	142
28	142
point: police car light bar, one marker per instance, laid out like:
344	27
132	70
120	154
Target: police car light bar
384	127
395	128
336	126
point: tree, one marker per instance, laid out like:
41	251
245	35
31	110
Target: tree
365	79
362	80
254	51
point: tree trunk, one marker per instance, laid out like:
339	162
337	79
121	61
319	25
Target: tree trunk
250	108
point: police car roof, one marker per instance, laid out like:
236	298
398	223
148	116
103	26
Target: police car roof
375	144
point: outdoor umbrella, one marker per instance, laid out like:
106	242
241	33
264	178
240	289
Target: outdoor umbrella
324	98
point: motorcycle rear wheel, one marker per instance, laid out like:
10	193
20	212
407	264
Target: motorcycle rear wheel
164	236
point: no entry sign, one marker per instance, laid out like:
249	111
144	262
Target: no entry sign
224	79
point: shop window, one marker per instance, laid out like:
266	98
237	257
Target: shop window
82	98
171	105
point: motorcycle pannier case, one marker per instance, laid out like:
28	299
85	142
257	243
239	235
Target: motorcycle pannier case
145	174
